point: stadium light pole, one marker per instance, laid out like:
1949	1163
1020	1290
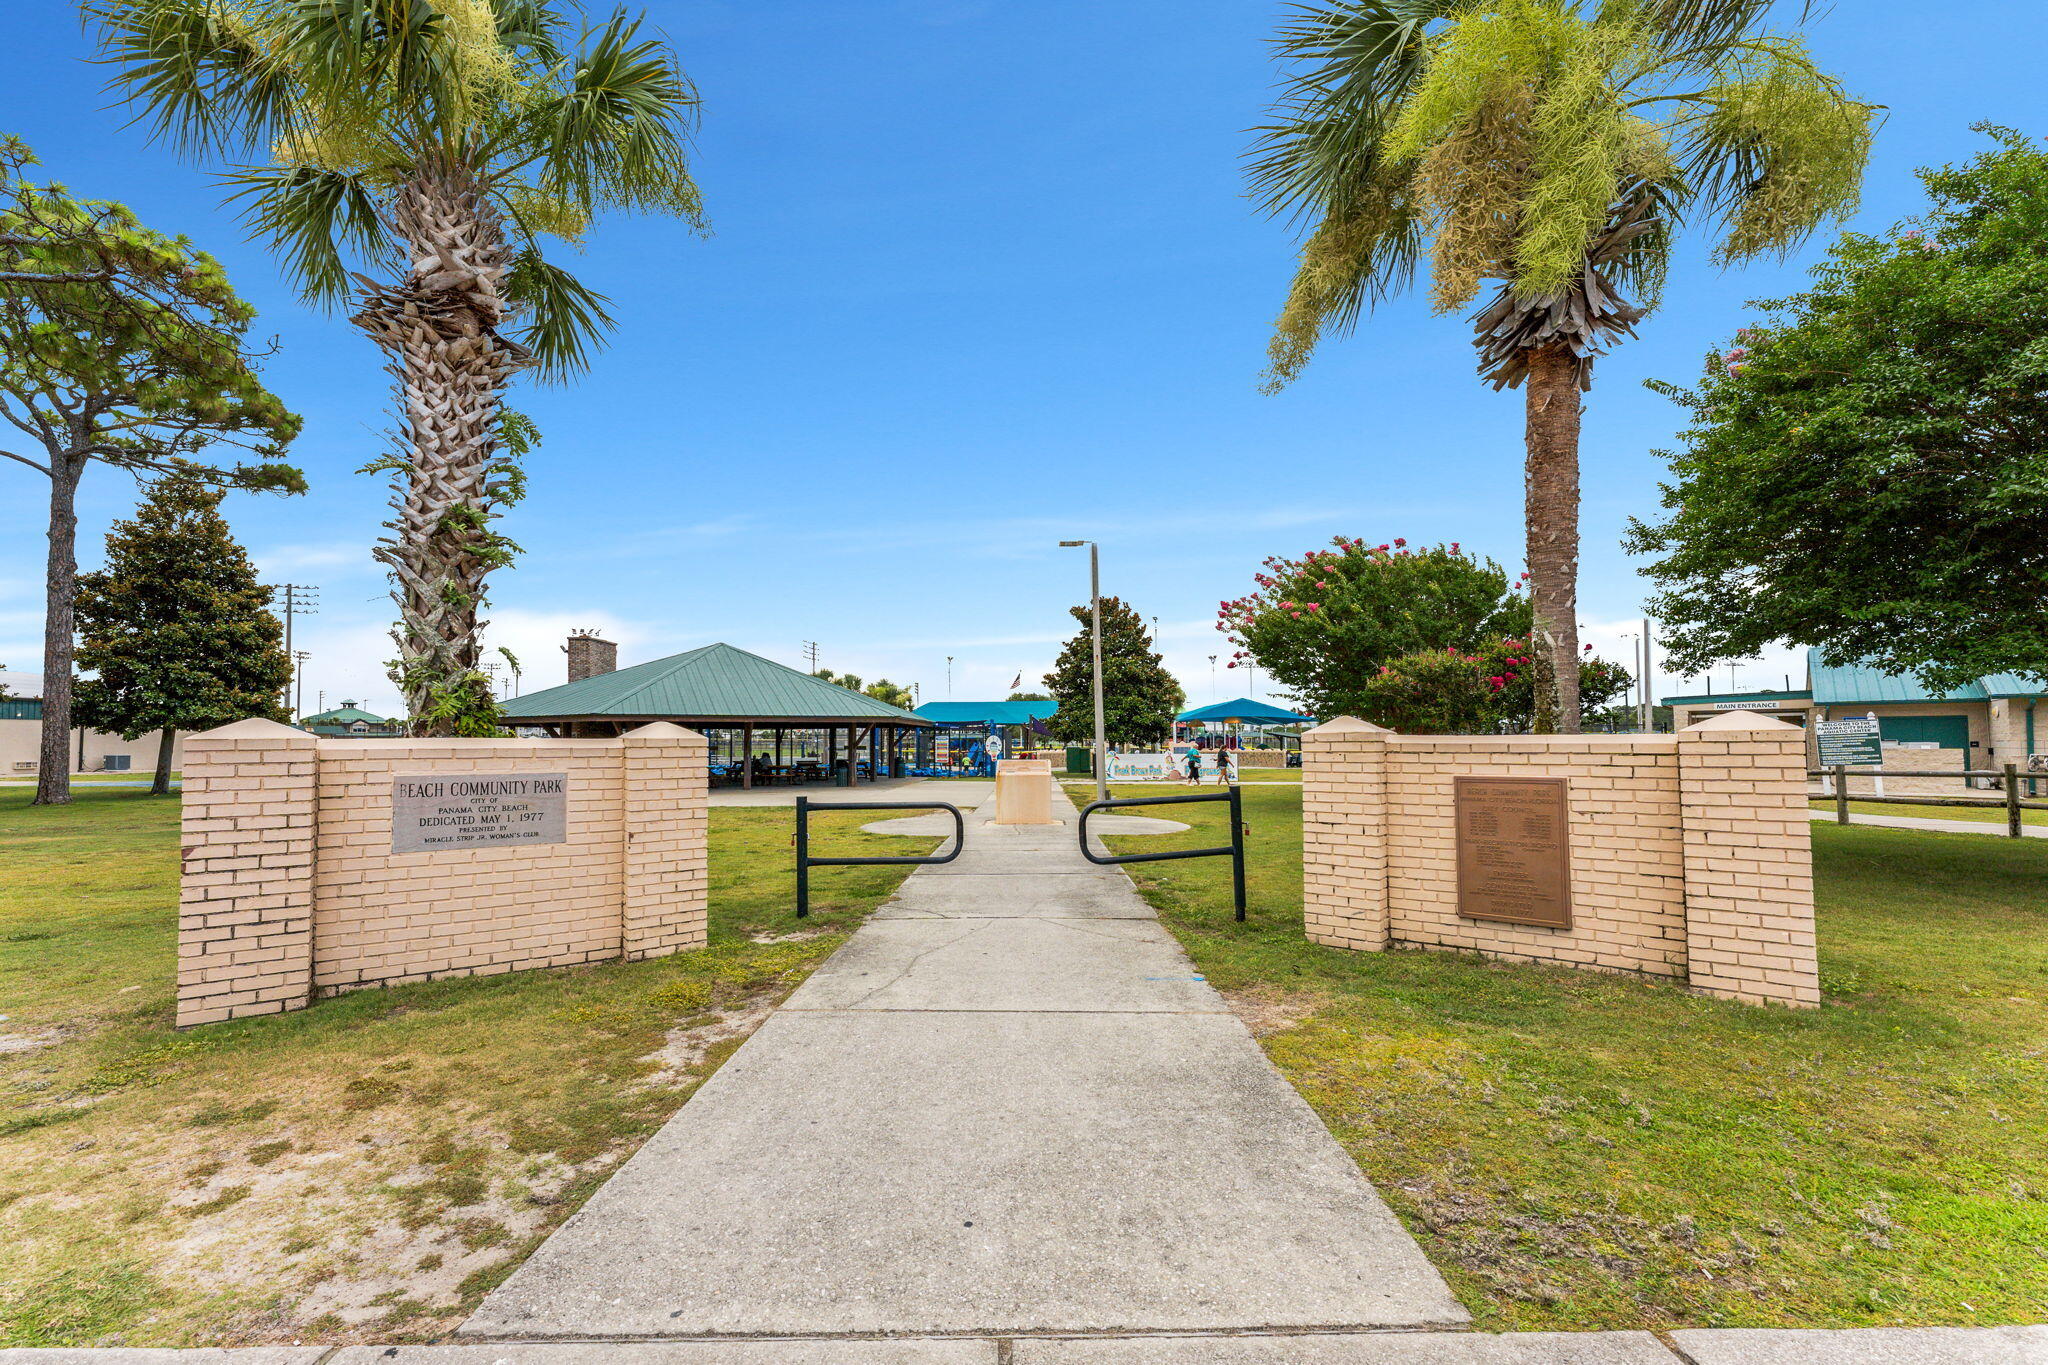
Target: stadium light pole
1095	632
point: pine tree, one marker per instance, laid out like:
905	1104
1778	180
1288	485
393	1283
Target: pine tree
1139	697
176	625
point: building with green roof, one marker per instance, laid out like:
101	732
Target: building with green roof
348	721
1987	723
765	720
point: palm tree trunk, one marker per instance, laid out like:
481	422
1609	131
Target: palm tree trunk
60	596
439	326
1552	512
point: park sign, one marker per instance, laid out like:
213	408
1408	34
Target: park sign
1852	743
432	813
1142	768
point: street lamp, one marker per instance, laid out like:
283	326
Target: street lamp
1095	612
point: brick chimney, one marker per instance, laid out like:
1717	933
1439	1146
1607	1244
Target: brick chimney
589	656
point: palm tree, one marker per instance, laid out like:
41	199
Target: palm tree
1554	147
441	142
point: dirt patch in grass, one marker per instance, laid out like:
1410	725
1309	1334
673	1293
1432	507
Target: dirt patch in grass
1267	1010
363	1170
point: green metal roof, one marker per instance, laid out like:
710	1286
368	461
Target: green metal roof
712	683
348	713
2013	685
1766	695
1855	685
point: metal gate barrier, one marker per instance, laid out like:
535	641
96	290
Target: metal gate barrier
805	862
1235	851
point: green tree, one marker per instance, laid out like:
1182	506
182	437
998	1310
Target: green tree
177	627
1029	696
442	141
1139	697
881	689
1451	691
1867	469
1324	624
126	347
1552	147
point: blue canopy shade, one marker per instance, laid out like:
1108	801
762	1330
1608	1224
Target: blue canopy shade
1246	710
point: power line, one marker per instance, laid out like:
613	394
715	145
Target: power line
300	599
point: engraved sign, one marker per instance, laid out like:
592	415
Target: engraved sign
432	813
1514	850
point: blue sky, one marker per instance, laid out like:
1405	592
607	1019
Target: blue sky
983	278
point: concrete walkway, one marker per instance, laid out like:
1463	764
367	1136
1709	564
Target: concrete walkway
1938	826
1007	1105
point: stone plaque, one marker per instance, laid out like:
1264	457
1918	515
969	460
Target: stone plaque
432	813
1514	850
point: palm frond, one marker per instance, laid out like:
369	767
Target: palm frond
619	134
1709	23
311	216
1774	146
1349	62
564	317
203	75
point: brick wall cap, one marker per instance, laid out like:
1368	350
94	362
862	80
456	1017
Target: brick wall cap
1347	725
254	728
663	729
1739	720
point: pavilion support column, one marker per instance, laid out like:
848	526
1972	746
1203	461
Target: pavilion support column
747	757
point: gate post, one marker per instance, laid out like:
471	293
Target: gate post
666	888
1344	834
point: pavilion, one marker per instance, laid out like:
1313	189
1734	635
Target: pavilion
1239	714
796	728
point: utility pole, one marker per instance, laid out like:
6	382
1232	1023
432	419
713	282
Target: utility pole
949	677
299	684
300	599
1095	644
811	654
1649	696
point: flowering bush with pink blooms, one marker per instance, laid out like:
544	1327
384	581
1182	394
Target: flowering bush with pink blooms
1326	626
1453	691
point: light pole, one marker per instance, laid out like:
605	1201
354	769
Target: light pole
1649	670
1095	632
1212	679
299	658
949	677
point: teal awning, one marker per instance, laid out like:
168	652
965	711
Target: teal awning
1248	711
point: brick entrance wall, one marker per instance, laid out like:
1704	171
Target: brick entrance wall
291	889
1689	852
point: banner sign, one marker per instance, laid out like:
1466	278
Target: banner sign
1143	768
1849	743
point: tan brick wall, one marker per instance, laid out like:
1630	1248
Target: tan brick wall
245	896
1628	896
292	889
1659	883
1748	863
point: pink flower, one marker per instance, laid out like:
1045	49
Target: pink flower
1398	542
1589	649
1498	683
1454	547
1231	664
1315	606
1322	583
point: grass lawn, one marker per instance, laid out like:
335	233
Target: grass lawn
1994	815
1580	1150
359	1171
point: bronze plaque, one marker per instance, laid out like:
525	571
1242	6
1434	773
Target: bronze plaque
1514	850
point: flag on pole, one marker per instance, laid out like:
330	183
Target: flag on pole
1017	681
